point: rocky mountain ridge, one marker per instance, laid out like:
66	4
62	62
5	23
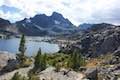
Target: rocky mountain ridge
101	41
40	25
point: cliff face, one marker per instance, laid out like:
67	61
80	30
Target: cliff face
102	41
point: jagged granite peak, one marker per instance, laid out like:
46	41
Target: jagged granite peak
55	14
42	20
59	17
43	24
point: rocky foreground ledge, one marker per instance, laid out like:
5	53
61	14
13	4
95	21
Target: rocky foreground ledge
47	74
108	73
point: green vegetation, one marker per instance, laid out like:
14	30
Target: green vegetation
57	66
57	58
17	76
37	62
76	61
73	61
40	63
33	77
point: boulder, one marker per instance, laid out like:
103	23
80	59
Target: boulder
117	52
4	57
50	74
110	44
91	73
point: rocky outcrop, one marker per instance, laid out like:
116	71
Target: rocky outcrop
101	42
50	74
4	57
110	44
117	52
22	72
109	73
91	74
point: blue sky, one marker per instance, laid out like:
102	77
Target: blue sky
7	9
77	11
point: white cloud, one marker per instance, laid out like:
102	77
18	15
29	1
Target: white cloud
77	11
14	17
1	2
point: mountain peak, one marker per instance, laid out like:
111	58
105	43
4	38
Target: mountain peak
41	24
56	14
59	17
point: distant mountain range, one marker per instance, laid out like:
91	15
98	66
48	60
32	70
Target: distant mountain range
43	25
85	26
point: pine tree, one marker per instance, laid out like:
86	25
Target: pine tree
22	47
75	60
43	62
40	61
38	57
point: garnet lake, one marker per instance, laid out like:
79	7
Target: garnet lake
32	45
